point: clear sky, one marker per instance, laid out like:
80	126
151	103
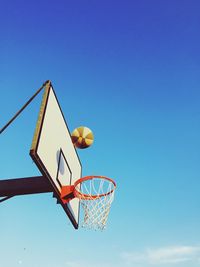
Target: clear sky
129	70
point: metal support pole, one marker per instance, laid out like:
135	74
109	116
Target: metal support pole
25	105
23	186
5	198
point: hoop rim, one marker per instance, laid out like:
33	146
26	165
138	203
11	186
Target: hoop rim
80	195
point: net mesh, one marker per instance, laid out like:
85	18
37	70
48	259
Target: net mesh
96	209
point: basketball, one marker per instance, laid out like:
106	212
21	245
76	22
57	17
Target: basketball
82	137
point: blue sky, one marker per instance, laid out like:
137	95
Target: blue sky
129	70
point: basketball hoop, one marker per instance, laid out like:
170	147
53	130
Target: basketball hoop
96	194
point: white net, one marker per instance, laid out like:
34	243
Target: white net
96	196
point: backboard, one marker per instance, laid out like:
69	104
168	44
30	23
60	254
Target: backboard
53	151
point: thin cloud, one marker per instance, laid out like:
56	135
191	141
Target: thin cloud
87	264
165	255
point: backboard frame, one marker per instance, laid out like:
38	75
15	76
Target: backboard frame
39	163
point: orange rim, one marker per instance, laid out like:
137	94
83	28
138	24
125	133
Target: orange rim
80	195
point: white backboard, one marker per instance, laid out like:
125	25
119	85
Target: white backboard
53	151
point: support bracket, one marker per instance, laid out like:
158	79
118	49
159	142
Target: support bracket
67	193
